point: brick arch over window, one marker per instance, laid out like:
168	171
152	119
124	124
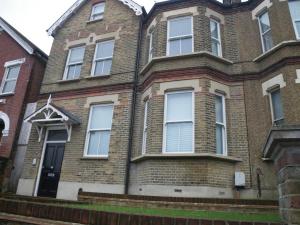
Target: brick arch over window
5	120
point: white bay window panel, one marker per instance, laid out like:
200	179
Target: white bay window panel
179	122
265	31
295	14
10	79
103	58
215	38
97	11
180	36
145	130
99	131
221	134
74	63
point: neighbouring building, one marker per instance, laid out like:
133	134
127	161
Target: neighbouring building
176	102
22	67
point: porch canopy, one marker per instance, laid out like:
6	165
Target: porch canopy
51	115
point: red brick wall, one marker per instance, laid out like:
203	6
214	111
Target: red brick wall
11	50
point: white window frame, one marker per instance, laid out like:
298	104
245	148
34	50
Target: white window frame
7	66
180	37
150	56
270	92
86	155
224	125
167	122
295	20
219	39
93	11
68	64
145	128
95	59
263	33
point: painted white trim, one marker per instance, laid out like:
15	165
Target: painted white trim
87	137
16	37
93	11
38	178
7	66
224	124
165	122
6	121
14	62
163	87
59	23
193	11
298	76
150	55
68	63
145	127
180	37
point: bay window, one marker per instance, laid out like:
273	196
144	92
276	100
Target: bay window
276	106
295	14
180	36
179	122
99	130
265	31
215	38
221	134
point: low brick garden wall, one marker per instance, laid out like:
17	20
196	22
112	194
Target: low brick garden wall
61	213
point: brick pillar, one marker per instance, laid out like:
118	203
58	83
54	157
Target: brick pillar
283	148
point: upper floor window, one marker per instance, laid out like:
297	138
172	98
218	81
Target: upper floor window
276	106
97	11
179	122
145	130
99	130
215	38
150	46
103	58
265	31
221	136
10	79
74	63
180	36
295	13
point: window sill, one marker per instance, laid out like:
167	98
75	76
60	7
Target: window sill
97	77
187	156
7	94
93	21
94	158
68	81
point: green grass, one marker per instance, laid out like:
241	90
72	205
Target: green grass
192	214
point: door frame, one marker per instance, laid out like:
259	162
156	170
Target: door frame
38	178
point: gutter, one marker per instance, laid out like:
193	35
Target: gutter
133	108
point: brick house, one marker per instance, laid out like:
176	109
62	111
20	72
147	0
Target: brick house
176	102
21	69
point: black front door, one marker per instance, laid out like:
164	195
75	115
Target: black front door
51	168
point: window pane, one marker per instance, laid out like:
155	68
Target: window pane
99	68
214	29
103	67
264	22
104	142
219	139
215	47
174	47
277	105
268	42
186	45
219	109
101	117
105	49
57	135
98	9
94	143
76	55
179	137
298	28
13	72
107	66
295	9
9	86
180	27
179	107
74	72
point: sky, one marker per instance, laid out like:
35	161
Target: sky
33	17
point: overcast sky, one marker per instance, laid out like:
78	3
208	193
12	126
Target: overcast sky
33	17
